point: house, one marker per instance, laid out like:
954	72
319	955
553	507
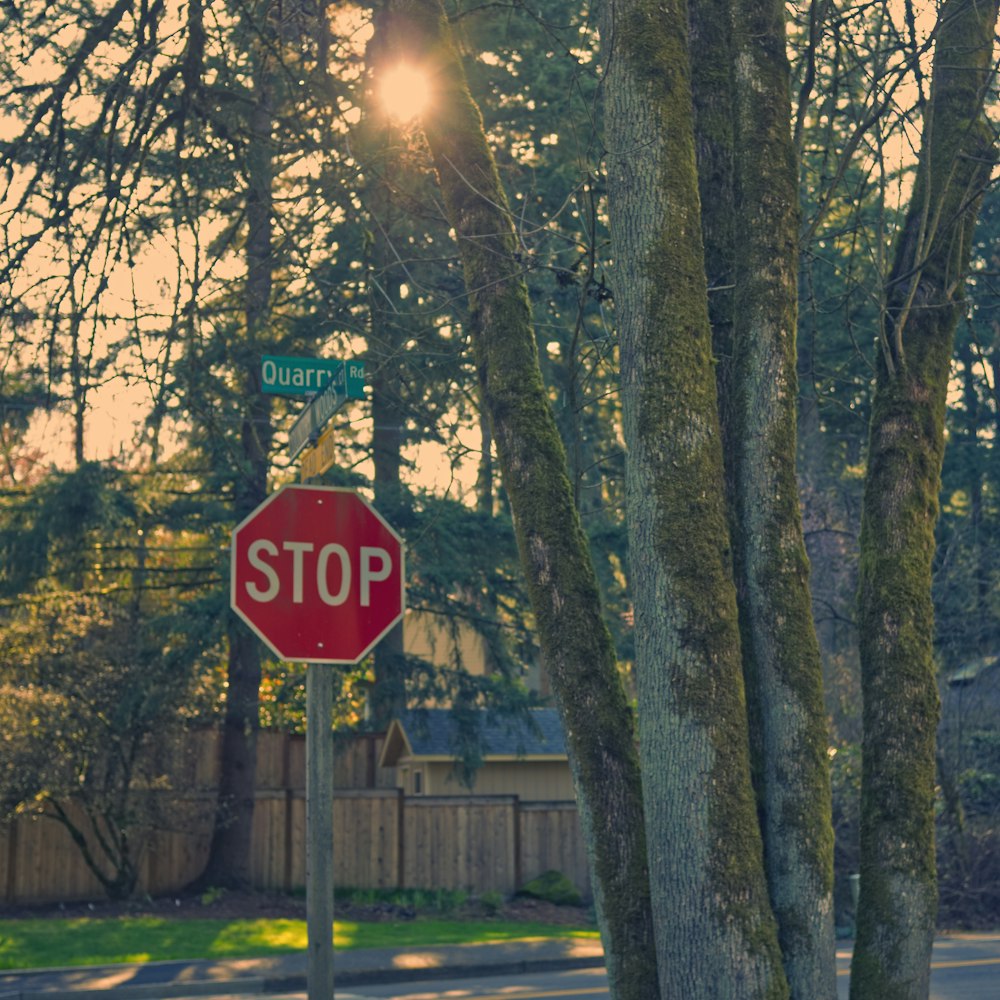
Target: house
451	642
969	731
970	697
527	759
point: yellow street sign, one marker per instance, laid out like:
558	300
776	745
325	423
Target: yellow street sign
316	460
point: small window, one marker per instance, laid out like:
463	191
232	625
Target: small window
418	782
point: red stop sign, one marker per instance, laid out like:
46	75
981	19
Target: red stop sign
318	574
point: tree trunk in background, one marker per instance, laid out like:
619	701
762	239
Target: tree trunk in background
974	480
562	584
484	477
387	698
386	339
715	933
781	658
228	862
896	913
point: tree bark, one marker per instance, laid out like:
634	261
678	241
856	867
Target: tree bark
781	658
715	934
562	584
898	902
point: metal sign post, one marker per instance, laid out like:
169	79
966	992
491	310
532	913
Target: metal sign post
319	831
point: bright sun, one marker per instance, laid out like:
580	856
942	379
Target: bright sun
405	91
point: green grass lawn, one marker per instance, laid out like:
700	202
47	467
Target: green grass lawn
54	943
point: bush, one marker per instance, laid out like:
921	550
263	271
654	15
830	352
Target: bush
553	887
969	877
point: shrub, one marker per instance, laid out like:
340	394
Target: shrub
553	887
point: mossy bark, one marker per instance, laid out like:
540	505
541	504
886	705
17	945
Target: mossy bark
575	641
715	934
897	907
741	92
711	45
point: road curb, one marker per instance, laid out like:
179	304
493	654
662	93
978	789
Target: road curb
295	982
381	977
147	991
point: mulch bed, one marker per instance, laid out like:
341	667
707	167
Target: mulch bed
234	905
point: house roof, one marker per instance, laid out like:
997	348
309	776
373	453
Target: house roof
973	670
433	733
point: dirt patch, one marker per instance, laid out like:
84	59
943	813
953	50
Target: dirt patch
213	905
233	905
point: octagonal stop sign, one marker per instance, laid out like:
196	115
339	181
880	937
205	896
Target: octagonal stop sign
317	573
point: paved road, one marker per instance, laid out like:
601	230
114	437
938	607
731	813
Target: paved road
966	967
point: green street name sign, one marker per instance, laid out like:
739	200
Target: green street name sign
309	376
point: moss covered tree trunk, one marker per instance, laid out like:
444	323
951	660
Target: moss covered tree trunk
748	182
575	641
755	204
898	883
715	933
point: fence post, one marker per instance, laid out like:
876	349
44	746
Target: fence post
517	843
11	886
400	839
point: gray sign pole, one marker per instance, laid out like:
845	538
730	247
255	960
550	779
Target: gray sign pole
319	830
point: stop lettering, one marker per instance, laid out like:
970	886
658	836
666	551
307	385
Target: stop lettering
375	565
318	574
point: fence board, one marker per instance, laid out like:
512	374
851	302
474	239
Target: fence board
273	760
454	842
366	838
269	840
47	866
551	839
296	864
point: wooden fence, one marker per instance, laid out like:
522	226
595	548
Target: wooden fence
382	839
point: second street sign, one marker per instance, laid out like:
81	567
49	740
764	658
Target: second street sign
346	384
